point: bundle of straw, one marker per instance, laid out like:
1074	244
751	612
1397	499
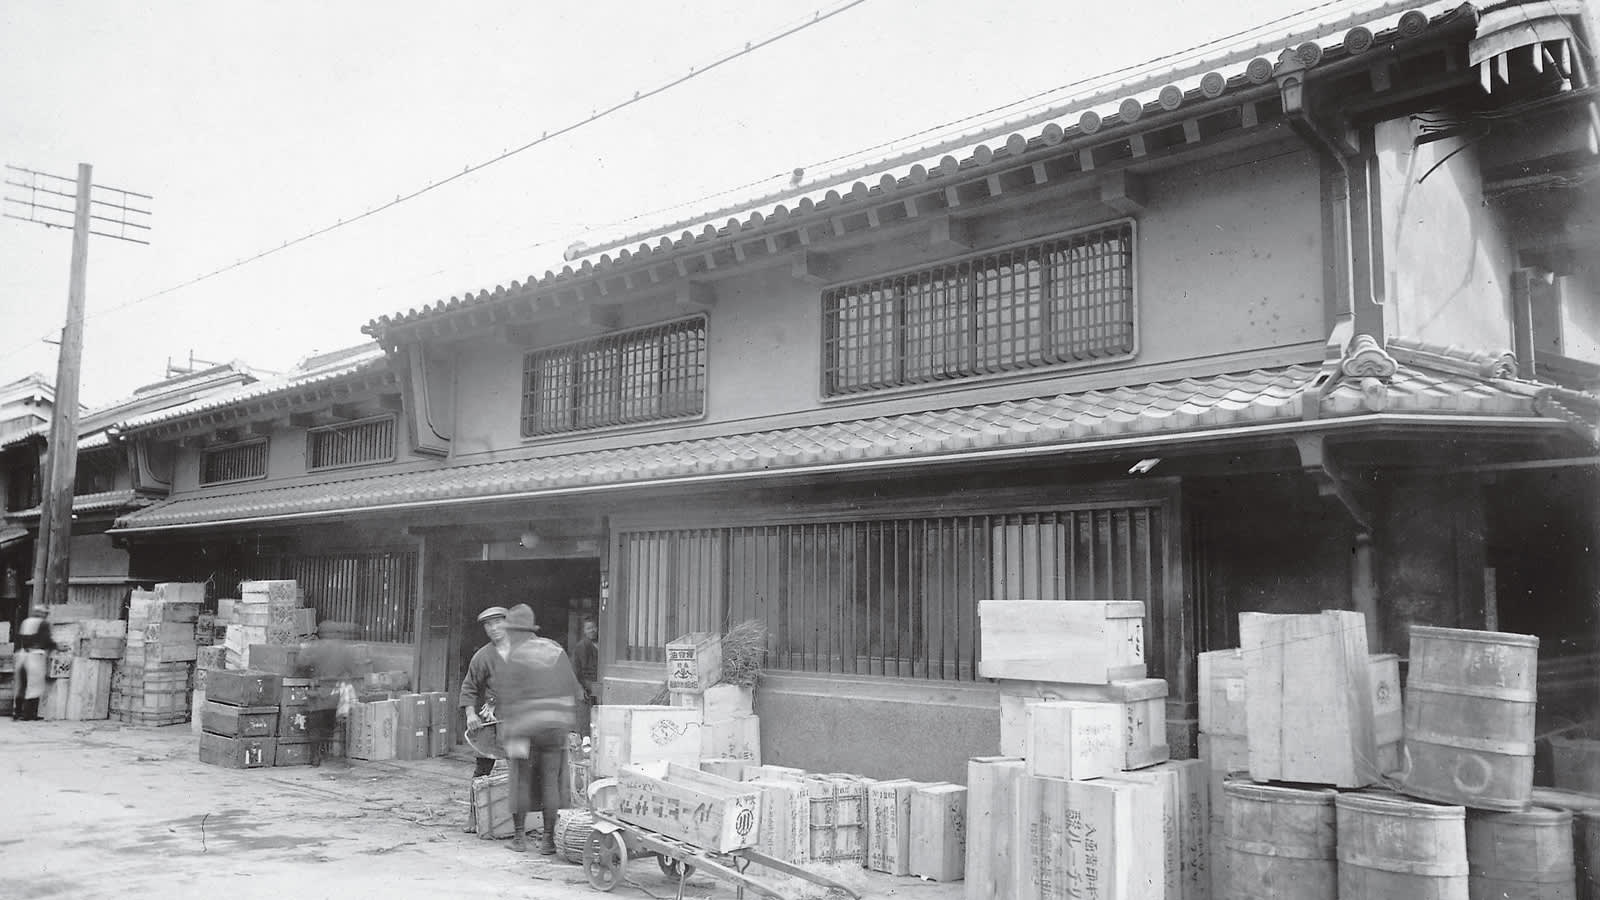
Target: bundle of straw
744	650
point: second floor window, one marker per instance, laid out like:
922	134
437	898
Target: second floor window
646	375
238	462
22	481
1057	302
351	444
96	471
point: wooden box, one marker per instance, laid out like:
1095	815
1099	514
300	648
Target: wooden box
88	690
280	659
238	638
372	729
1222	709
281	591
296	691
243	687
1143	711
1070	641
888	832
294	724
694	661
190	592
724	768
1073	739
1308	698
197	702
304	621
702	810
441	723
58	665
718	702
237	753
103	647
1388	714
838	817
491	806
783	773
785	829
1090	839
292	753
939	832
70	612
1186	866
413	734
210	657
239	721
992	865
625	735
1221	756
732	739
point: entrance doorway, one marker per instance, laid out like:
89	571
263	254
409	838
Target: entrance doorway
560	591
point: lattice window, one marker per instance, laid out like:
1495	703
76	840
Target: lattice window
351	444
96	471
22	480
377	591
238	462
1068	300
651	374
895	597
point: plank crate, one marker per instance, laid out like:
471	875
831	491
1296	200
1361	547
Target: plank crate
291	753
239	721
838	817
243	687
176	592
279	659
889	825
738	738
412	731
694	661
1143	711
89	690
1222	709
1068	641
1185	826
1070	739
1089	838
992	864
718	702
939	832
1308	698
371	729
491	806
295	691
784	832
294	724
441	721
237	753
625	735
702	810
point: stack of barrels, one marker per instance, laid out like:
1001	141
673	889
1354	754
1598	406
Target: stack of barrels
1456	821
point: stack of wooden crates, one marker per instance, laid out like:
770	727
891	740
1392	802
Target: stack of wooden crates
266	613
1085	800
239	721
153	678
80	667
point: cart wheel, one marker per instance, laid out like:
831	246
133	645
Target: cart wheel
604	860
673	868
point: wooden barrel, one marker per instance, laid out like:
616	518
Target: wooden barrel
1278	842
1469	707
1521	855
573	827
1391	847
1588	855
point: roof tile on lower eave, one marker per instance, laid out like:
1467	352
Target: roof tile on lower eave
1188	406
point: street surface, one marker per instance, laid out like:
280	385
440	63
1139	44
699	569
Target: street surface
103	810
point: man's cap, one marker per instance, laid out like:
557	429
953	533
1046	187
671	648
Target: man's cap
520	618
492	612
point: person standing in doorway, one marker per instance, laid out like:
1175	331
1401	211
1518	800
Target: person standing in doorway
477	688
34	644
537	695
586	661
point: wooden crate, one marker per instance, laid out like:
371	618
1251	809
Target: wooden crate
939	832
1186	863
1072	739
237	753
280	591
1090	839
838	817
102	647
784	832
413	734
738	738
295	691
371	730
888	832
441	723
491	806
1308	698
239	721
243	687
173	592
88	690
732	769
1142	701
1220	756
786	773
694	661
625	735
279	659
702	810
718	702
1388	714
1069	641
1222	708
992	864
294	724
292	752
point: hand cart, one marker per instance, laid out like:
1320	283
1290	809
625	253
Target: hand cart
613	842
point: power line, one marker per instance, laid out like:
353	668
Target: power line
638	97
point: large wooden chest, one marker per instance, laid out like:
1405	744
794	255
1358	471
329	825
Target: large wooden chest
1069	641
694	661
243	687
238	721
237	753
698	808
1096	838
625	735
1142	704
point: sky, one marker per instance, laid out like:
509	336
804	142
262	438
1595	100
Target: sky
253	124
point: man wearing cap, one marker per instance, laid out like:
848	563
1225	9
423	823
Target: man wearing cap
537	695
477	688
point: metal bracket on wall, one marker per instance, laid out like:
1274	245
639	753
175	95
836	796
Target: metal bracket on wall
1331	479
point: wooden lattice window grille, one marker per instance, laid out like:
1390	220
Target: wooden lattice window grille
650	374
351	443
1068	300
22	481
237	462
375	590
895	597
97	471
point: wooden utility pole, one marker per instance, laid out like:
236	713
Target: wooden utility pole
52	555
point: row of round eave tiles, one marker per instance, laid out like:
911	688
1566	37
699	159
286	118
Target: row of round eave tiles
1212	85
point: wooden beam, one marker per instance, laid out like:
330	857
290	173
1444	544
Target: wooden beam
811	267
302	420
1123	191
949	235
594	317
696	295
344	411
225	436
263	427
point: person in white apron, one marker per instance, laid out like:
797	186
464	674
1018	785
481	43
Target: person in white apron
33	645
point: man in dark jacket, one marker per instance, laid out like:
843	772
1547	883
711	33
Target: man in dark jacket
537	698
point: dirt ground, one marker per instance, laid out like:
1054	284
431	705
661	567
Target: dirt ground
102	810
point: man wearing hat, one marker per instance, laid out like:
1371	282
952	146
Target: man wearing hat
34	643
477	688
537	695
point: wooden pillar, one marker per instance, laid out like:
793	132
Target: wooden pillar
1430	557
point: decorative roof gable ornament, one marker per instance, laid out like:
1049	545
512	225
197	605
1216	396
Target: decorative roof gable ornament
1365	359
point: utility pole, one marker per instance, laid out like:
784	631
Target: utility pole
52	550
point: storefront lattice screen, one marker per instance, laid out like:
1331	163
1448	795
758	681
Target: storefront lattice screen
376	591
894	597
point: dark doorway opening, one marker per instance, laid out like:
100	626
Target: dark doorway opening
560	591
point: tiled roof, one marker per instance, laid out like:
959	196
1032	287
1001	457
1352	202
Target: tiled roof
317	370
123	499
92	424
1102	104
1191	407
